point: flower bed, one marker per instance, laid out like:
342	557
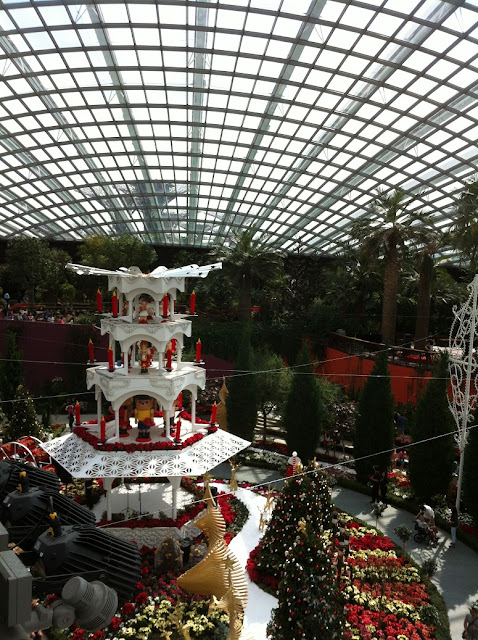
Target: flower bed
383	594
153	610
157	601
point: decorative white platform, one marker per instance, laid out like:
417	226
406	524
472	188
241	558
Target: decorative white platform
165	386
81	460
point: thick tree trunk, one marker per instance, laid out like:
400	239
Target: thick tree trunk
245	303
423	302
390	289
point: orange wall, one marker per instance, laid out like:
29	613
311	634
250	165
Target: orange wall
352	371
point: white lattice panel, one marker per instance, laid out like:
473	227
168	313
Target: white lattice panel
83	461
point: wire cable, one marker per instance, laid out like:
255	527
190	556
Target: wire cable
302	473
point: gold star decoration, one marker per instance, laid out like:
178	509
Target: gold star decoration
207	478
229	563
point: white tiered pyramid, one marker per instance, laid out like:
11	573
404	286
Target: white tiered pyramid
145	326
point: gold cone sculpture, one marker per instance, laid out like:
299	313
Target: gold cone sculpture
230	603
221	414
219	573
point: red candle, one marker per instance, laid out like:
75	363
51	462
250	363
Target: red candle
111	364
198	350
99	301
77	413
114	304
91	351
165	306
103	429
169	355
180	401
213	413
173	345
178	430
192	302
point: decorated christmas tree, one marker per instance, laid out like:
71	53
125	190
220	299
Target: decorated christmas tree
305	496
23	421
309	596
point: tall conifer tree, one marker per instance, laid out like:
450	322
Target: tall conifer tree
242	403
303	411
11	371
374	432
431	456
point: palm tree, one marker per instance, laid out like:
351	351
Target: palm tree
251	262
464	235
428	241
383	233
351	287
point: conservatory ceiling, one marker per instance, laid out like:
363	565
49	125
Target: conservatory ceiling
182	121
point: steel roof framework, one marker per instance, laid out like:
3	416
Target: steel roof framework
181	121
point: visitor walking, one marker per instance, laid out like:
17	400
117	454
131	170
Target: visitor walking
375	479
471	622
401	424
70	409
383	487
453	525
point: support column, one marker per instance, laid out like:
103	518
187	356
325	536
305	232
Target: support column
125	368
193	413
166	417
171	307
175	484
179	355
130	300
120	304
156	309
107	486
116	423
98	406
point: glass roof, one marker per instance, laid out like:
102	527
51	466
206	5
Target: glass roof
181	121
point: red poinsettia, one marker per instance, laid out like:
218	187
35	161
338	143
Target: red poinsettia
93	441
372	542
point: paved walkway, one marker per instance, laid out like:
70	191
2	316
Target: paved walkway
457	574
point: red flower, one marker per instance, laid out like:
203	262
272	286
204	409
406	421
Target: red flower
128	608
115	623
141	598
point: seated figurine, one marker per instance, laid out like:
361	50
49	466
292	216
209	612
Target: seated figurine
144	417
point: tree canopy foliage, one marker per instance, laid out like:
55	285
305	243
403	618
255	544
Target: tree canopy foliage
107	252
249	261
33	267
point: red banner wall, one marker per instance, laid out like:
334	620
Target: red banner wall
352	371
